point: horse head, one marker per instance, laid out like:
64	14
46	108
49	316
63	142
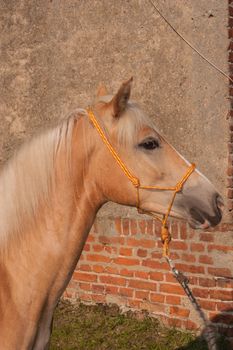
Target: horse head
156	165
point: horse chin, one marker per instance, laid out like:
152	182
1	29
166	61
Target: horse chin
197	225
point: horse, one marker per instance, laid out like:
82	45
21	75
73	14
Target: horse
52	189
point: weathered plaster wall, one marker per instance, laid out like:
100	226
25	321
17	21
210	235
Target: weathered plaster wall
54	54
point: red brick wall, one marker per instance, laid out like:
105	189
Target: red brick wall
122	263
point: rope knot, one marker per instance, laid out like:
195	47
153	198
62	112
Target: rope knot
165	238
165	234
135	182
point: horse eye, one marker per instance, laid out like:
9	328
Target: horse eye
149	144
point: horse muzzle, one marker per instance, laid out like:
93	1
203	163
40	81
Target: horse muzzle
200	216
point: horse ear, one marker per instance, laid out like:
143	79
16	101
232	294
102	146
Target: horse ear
121	98
102	90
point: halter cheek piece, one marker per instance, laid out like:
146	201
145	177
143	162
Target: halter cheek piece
165	235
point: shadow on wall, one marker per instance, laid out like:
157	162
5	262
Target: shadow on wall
222	326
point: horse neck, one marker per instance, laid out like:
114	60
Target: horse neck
53	245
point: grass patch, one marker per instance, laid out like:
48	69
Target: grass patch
100	327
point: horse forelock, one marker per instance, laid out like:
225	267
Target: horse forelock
130	123
26	181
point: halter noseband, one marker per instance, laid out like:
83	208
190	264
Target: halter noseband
165	235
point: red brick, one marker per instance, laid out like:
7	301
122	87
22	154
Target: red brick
206	282
85	297
178	311
87	247
170	278
137	284
200	292
197	247
98	258
175	255
118	225
142	226
157	254
97	248
229	182
230	171
90	238
117	240
224	283
125	227
110	249
84	267
133	227
142	253
98	288
104	240
118	281
126	292
157	298
225	227
230	144
221	248
205	259
141	294
98	268
157	276
193	280
98	298
149	227
179	245
174	230
85	286
221	294
126	261
190	268
112	290
125	251
111	270
157	229
206	237
183	231
219	271
126	272
172	299
207	304
141	274
188	324
82	276
155	264
224	306
188	257
171	289
145	243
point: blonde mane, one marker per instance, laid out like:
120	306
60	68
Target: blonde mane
130	123
26	180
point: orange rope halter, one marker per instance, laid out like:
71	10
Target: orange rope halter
165	235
